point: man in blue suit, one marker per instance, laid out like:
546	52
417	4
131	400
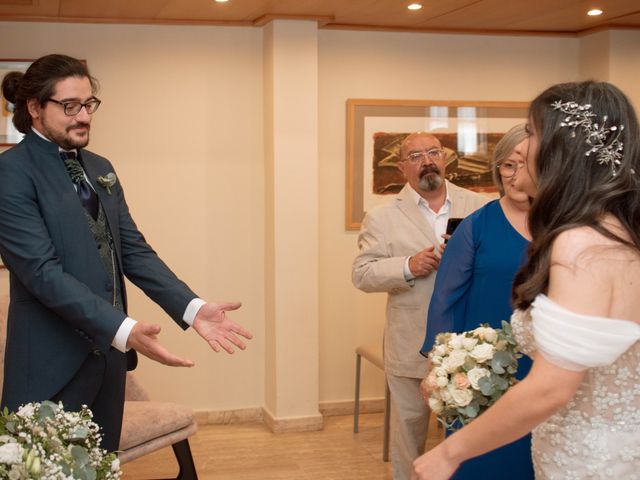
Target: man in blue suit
68	240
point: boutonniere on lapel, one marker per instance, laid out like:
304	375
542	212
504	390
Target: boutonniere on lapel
108	181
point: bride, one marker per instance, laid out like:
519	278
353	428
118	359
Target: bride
578	308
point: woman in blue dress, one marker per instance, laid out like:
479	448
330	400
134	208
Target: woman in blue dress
473	286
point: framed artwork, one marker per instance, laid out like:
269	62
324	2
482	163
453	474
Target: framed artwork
8	133
467	130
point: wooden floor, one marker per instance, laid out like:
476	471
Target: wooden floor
252	452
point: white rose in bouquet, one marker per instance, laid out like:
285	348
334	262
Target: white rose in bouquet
476	374
456	341
487	334
446	396
440	371
469	342
442	382
460	362
430	381
440	350
482	352
11	453
436	405
462	398
454	361
26	411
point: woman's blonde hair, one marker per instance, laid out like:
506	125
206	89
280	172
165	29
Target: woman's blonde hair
503	150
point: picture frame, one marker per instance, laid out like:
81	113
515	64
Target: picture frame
468	131
8	134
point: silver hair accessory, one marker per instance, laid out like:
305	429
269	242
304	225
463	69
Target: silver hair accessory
596	135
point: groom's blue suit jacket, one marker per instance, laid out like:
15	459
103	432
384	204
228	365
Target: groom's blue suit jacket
60	292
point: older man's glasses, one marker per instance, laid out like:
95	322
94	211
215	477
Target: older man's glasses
72	108
433	155
508	168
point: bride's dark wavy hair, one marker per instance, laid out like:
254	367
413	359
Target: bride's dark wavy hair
573	189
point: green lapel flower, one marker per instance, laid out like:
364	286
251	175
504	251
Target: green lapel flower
108	181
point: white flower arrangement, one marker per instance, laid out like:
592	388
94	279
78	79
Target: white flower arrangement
42	441
470	372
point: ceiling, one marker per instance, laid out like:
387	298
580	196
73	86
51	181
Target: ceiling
555	17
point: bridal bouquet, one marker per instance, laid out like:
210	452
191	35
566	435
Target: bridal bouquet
470	372
42	441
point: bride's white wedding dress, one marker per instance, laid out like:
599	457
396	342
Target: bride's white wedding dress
597	434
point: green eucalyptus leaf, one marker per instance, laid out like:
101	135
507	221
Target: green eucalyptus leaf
80	456
84	473
501	383
486	386
470	411
47	410
497	368
80	433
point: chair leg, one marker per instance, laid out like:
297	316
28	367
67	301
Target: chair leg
356	404
387	415
185	461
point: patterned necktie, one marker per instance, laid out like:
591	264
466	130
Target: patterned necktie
88	197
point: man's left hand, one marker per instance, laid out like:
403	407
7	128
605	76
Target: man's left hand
446	238
217	329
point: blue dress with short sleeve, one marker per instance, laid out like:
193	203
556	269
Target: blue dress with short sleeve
473	286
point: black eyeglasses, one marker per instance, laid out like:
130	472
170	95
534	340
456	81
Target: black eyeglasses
72	108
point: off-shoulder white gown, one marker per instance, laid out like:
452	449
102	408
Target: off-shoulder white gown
597	434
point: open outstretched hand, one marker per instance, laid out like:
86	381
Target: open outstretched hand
217	329
144	339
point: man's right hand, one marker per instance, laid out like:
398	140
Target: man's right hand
144	340
424	262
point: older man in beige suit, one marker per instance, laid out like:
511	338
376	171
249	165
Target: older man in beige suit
400	247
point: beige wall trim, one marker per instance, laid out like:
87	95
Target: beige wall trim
259	415
369	405
292	424
226	417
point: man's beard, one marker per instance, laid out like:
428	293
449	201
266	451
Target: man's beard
430	178
65	141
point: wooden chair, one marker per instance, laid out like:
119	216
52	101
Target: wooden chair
373	353
147	425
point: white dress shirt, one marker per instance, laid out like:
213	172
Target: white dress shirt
437	221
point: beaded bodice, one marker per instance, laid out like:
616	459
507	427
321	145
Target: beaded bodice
597	434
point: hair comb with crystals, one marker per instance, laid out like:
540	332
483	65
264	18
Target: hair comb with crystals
602	140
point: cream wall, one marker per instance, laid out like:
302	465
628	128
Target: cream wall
625	63
613	56
183	120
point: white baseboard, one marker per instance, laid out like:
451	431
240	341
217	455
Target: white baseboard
295	424
226	417
309	423
369	405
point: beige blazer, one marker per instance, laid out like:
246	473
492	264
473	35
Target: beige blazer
389	234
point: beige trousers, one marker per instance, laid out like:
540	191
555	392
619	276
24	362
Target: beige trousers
409	423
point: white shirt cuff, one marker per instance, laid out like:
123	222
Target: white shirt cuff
408	276
192	310
122	335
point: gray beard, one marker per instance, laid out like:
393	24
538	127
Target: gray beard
430	183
